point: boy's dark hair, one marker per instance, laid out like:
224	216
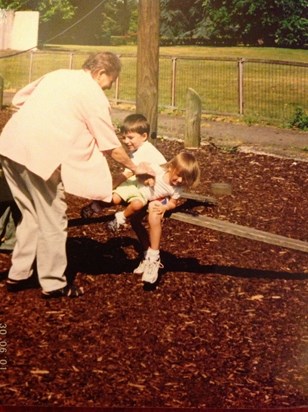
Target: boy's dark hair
136	123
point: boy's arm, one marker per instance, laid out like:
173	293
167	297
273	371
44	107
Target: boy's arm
143	172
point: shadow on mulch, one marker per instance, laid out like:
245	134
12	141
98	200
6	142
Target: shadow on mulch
95	258
89	256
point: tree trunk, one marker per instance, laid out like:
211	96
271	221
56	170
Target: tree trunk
193	119
148	62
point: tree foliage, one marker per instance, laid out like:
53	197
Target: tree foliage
95	21
280	23
62	9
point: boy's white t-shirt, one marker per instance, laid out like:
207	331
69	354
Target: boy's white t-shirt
147	152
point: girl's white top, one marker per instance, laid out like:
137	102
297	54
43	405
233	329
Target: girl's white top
161	189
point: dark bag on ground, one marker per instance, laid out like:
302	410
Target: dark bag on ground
9	216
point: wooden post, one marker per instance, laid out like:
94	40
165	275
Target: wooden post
148	61
240	87
1	91
193	119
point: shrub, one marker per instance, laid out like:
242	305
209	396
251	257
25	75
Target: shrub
300	119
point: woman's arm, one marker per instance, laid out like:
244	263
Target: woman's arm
119	155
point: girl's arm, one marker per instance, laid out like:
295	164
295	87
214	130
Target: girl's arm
171	204
160	208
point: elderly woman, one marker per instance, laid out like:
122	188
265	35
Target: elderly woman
55	143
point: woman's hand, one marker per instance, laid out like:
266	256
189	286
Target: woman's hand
144	169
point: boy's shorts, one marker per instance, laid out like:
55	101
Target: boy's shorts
128	191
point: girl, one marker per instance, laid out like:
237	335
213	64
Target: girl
171	178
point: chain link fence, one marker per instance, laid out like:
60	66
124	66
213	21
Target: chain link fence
257	89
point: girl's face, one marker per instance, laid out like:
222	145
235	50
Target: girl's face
134	140
175	178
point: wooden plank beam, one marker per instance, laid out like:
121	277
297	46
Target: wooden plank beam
242	231
199	198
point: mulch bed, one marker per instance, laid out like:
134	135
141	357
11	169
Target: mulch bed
226	326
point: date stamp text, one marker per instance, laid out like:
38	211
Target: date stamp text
3	346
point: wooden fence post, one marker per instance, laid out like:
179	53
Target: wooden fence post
1	91
148	62
192	137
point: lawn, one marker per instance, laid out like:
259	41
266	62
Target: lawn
294	55
271	91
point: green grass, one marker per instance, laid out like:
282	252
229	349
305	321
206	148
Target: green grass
269	53
271	92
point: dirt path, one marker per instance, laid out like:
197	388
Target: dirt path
227	135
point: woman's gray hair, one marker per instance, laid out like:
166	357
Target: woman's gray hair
107	61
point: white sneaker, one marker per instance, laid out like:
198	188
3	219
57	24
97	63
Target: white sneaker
113	226
150	273
117	223
140	268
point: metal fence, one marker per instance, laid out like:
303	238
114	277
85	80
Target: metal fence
256	89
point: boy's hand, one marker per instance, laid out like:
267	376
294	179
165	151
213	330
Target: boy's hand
147	180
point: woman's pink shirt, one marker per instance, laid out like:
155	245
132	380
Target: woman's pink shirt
63	119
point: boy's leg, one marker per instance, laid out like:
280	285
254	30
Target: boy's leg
133	207
121	217
116	199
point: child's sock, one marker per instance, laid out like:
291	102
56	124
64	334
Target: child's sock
152	254
121	219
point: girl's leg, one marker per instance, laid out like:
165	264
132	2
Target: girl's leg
155	222
151	264
139	229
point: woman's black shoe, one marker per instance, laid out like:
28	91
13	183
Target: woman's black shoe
69	291
18	285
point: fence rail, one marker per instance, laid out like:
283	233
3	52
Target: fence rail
256	89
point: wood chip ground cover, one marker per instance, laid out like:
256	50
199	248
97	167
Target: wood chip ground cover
226	327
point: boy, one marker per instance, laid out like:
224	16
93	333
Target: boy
135	133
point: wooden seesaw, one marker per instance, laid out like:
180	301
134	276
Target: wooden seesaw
233	228
192	140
